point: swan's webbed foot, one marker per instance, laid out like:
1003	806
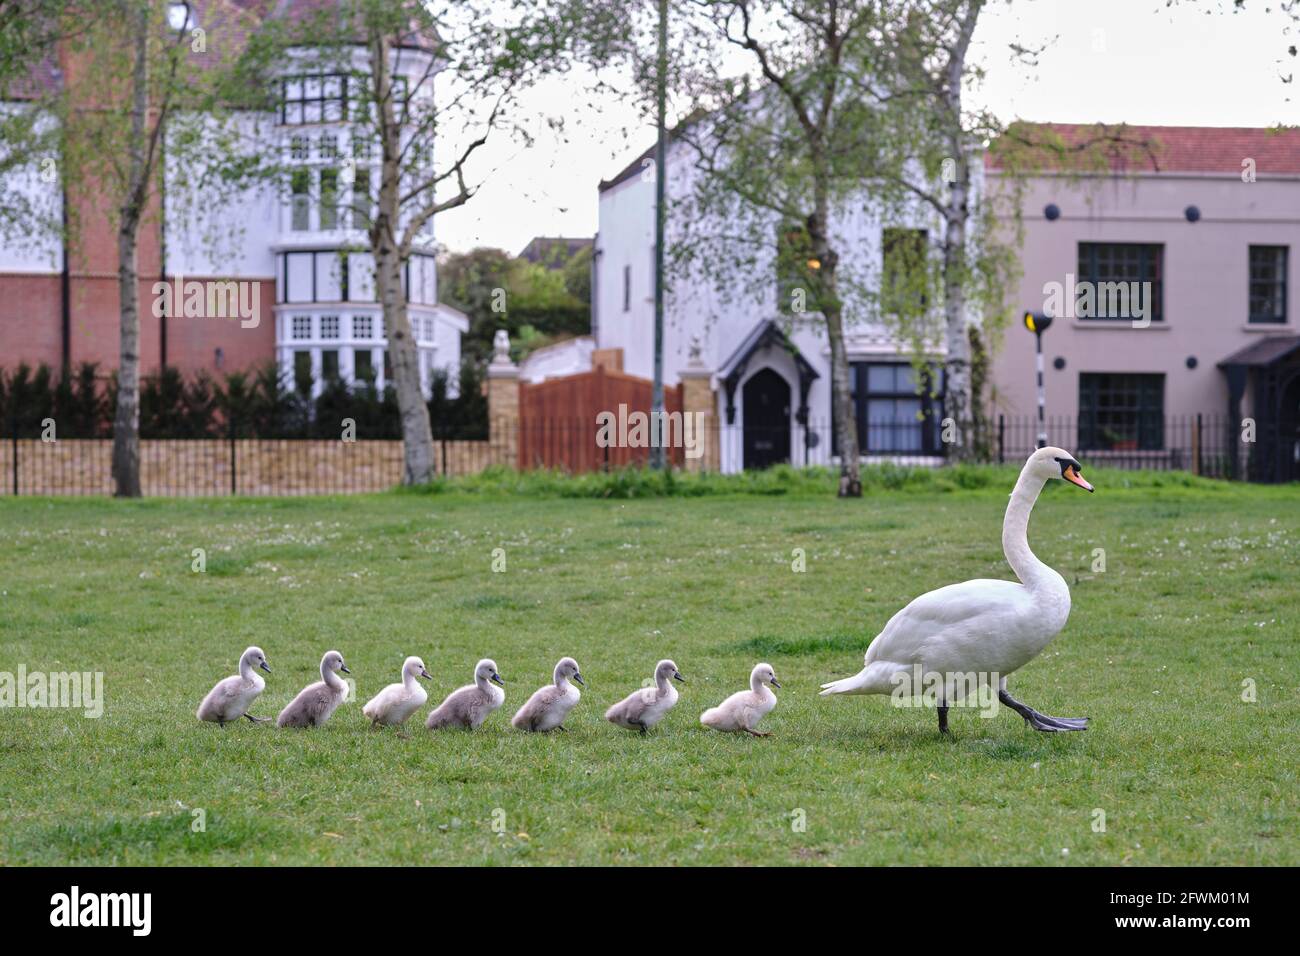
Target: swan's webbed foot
1042	721
257	720
757	733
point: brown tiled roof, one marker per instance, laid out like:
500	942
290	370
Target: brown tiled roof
1160	149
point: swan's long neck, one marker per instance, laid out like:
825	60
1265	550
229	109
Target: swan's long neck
331	678
756	684
482	681
661	681
246	669
1015	531
409	680
560	679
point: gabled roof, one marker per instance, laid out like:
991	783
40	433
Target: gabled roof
1168	149
633	168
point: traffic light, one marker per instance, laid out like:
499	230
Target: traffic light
1037	322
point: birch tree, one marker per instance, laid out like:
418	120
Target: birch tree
786	149
119	78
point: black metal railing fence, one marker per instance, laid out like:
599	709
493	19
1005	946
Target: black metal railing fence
242	462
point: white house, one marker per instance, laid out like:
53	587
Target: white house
768	366
328	322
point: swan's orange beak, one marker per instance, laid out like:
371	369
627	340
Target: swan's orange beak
1072	476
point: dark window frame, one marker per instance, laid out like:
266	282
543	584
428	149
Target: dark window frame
369	375
1277	283
301	101
793	271
1107	399
341	258
302	378
1148	254
930	425
893	241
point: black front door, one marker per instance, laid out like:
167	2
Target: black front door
767	420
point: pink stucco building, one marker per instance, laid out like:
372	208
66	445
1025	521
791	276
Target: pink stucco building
1206	221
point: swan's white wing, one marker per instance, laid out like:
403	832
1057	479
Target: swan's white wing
940	627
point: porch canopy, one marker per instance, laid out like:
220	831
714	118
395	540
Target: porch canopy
1274	364
765	335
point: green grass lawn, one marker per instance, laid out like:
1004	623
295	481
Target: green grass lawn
1199	593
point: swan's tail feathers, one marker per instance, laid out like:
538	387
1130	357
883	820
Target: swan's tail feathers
857	684
710	717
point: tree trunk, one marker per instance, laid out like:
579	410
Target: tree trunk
403	357
390	256
957	381
958	400
828	302
126	418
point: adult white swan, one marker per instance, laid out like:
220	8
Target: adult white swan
980	628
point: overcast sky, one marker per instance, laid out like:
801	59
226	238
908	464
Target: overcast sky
1111	61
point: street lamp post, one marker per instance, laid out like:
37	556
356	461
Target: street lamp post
657	394
1038	323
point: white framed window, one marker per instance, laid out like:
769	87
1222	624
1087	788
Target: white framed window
299	147
361	203
300	327
329	326
363	365
332	93
329	197
328	147
363	327
300	201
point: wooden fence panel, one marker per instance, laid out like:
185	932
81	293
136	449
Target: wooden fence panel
557	420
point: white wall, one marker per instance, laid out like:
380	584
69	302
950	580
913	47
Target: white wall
226	236
31	246
721	318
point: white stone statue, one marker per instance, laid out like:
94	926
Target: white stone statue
501	348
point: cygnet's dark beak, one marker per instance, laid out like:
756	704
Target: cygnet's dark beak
677	675
578	678
425	674
774	683
344	668
265	666
496	679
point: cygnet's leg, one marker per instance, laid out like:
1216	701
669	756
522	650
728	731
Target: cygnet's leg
1042	721
641	724
561	727
757	733
257	720
943	717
